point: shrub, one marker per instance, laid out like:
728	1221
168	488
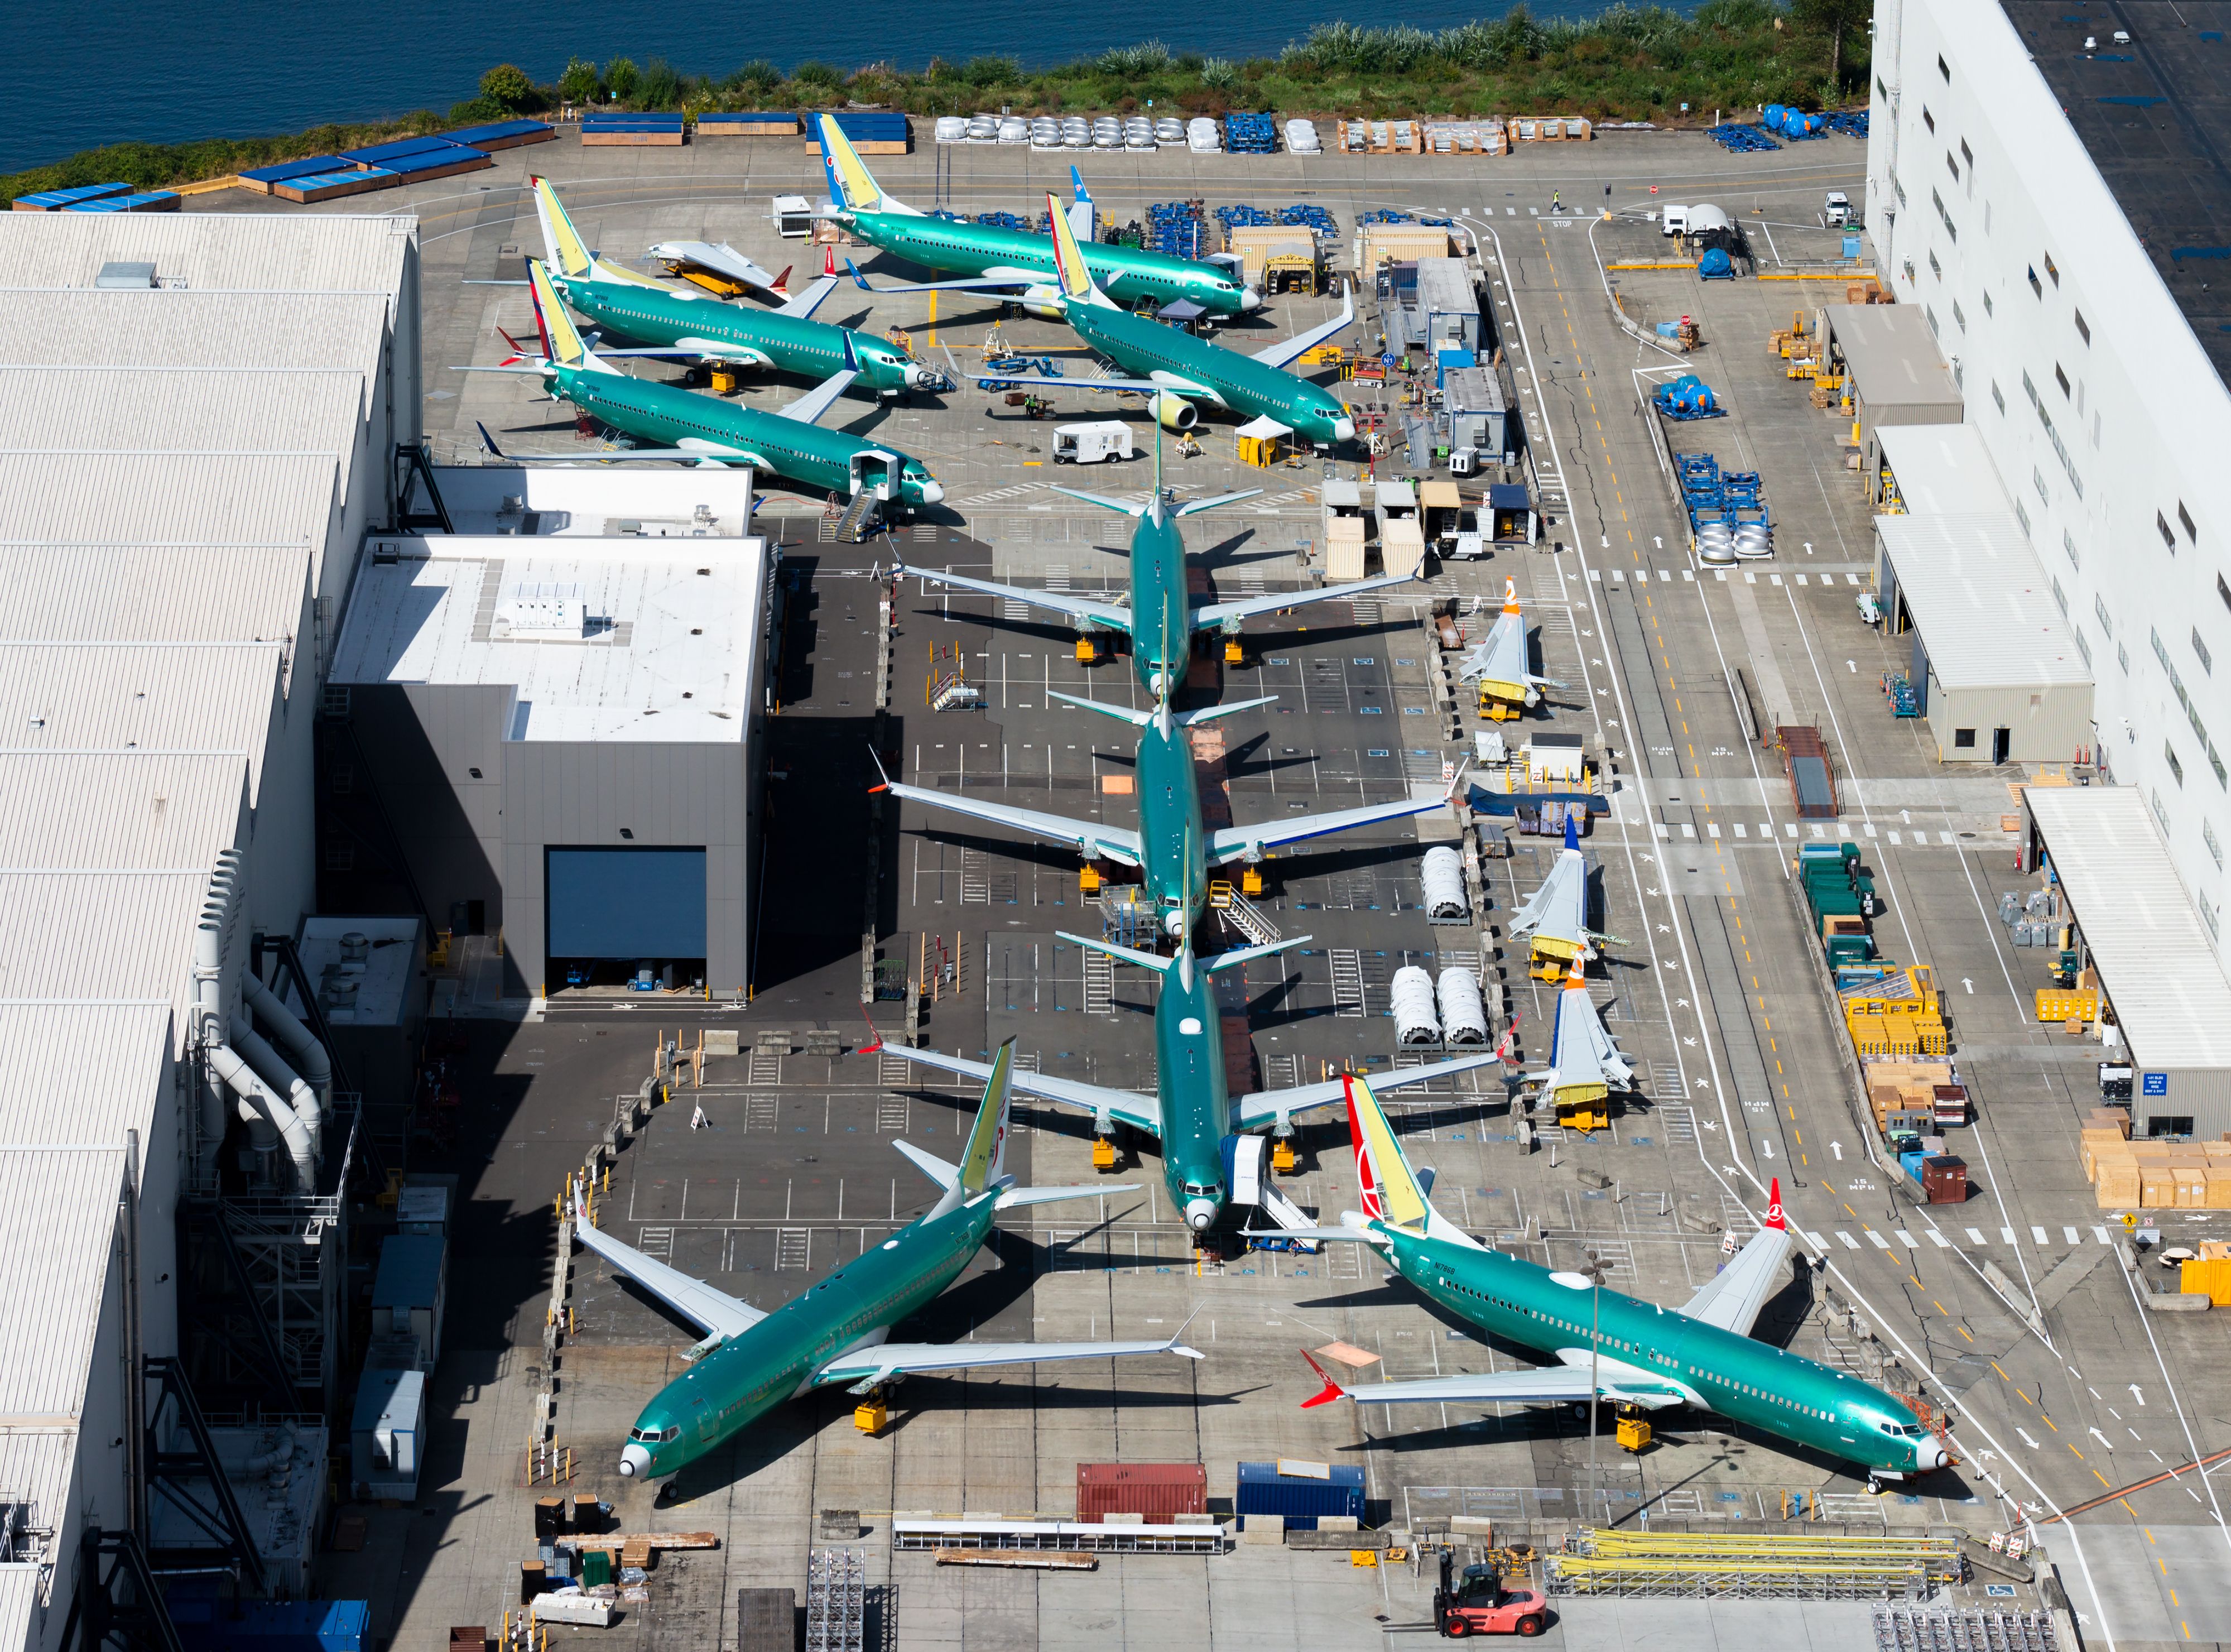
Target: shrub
506	86
1219	73
622	79
819	73
1134	62
580	81
991	71
660	88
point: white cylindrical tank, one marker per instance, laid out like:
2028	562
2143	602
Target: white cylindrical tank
1464	1015
1411	996
1442	874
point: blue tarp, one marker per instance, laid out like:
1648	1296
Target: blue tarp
499	129
49	200
308	166
655	122
428	159
380	154
145	203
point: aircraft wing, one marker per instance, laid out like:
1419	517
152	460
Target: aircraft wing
1221	614
1293	349
1732	1297
1084	608
873	1365
1174	386
1214	501
1267	1106
1231	843
1143	1112
714	1311
990	282
723	259
706	453
809	408
1089	838
1121	507
1560	901
804	304
1544	1384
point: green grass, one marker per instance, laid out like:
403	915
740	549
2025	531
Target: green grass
1628	63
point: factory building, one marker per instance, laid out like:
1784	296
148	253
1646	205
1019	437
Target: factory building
2067	274
198	416
561	698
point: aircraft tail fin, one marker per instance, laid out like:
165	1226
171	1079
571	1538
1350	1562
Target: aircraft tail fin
561	243
1077	283
1401	1201
1082	218
1572	831
561	344
983	1163
1773	1216
849	181
1511	596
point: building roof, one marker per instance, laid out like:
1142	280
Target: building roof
75	326
99	937
1894	357
85	496
116	697
2156	960
132	809
325	252
202	409
121	1091
1983	605
1943	471
2153	117
133	594
57	1220
602	639
596	501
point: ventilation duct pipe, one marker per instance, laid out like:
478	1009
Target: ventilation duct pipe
211	937
306	1055
298	1100
268	1116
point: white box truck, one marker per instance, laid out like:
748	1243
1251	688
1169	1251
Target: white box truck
1106	439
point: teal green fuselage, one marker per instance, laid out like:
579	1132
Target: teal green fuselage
792	343
1248	387
752	1373
1128	274
1161	608
1739	1378
668	416
1174	861
1195	1102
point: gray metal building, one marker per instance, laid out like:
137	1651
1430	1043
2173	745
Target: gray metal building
567	722
1898	374
2154	949
1447	306
1479	420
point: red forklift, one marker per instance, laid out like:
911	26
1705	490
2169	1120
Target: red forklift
1478	1603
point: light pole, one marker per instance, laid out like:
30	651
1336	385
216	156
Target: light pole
1593	1273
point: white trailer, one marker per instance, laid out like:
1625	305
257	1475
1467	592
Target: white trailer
1106	439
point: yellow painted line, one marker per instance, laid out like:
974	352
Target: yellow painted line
1963	1329
2101	1478
1995	1366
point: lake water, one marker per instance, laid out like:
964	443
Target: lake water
163	72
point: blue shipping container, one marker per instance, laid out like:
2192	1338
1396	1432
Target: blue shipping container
1301	1499
499	129
208	1625
427	161
153	201
652	122
1446	358
49	200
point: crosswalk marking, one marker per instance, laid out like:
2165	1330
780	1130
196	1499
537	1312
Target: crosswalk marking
1975	1236
1941	1243
1850	1243
2102	1234
2038	1234
1908	1240
2006	1234
1877	1239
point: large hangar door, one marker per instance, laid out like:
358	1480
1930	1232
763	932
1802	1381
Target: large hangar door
626	904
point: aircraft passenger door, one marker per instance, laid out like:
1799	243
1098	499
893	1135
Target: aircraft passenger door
875	471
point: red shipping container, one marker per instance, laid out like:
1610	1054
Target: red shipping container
1157	1492
1944	1180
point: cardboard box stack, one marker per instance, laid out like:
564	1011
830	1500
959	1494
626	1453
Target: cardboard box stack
2153	1175
1904	1087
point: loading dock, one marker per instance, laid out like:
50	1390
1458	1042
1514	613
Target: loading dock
1897	374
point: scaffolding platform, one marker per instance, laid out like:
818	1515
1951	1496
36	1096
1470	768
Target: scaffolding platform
1795	1566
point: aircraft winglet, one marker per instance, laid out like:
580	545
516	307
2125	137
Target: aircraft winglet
1773	1216
1332	1390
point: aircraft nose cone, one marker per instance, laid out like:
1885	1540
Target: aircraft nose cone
1250	299
1934	1455
1199	1213
1174	921
1344	429
932	492
635	1461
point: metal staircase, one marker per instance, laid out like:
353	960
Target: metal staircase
861	518
1250	920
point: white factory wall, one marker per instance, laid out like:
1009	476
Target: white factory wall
1987	211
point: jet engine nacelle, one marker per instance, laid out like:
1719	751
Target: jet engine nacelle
1176	413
